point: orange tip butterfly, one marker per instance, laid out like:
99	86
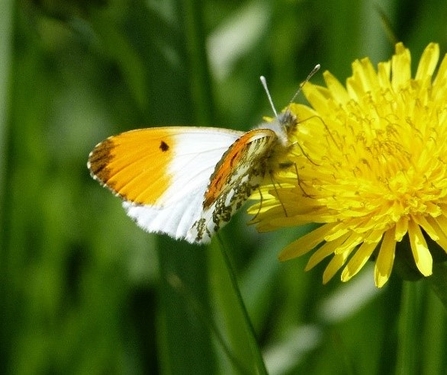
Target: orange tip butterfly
187	182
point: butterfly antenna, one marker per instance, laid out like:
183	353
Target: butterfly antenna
264	84
309	76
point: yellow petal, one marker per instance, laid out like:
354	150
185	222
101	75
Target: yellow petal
305	243
324	251
358	260
334	265
385	259
440	231
364	79
428	61
337	90
317	96
421	254
427	227
401	228
383	74
401	67
441	76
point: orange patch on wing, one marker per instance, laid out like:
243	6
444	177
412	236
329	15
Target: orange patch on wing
134	164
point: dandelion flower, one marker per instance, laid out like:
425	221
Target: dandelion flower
369	166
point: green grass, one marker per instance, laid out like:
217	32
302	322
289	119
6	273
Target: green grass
84	291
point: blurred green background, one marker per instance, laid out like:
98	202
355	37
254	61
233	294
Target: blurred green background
84	291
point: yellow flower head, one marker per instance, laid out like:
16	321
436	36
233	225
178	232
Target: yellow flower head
369	165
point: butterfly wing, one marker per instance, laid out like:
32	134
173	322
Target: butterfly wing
162	174
240	170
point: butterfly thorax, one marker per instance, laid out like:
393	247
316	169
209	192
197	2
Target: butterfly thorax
284	126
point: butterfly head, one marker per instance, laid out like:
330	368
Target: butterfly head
286	122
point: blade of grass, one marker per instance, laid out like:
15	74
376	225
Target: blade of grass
5	63
200	82
433	337
438	282
258	361
408	335
6	29
194	352
185	340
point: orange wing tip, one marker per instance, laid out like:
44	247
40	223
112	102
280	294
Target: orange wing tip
98	160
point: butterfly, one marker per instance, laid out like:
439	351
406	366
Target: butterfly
187	182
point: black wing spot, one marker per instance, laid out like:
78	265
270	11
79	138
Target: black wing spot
164	146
